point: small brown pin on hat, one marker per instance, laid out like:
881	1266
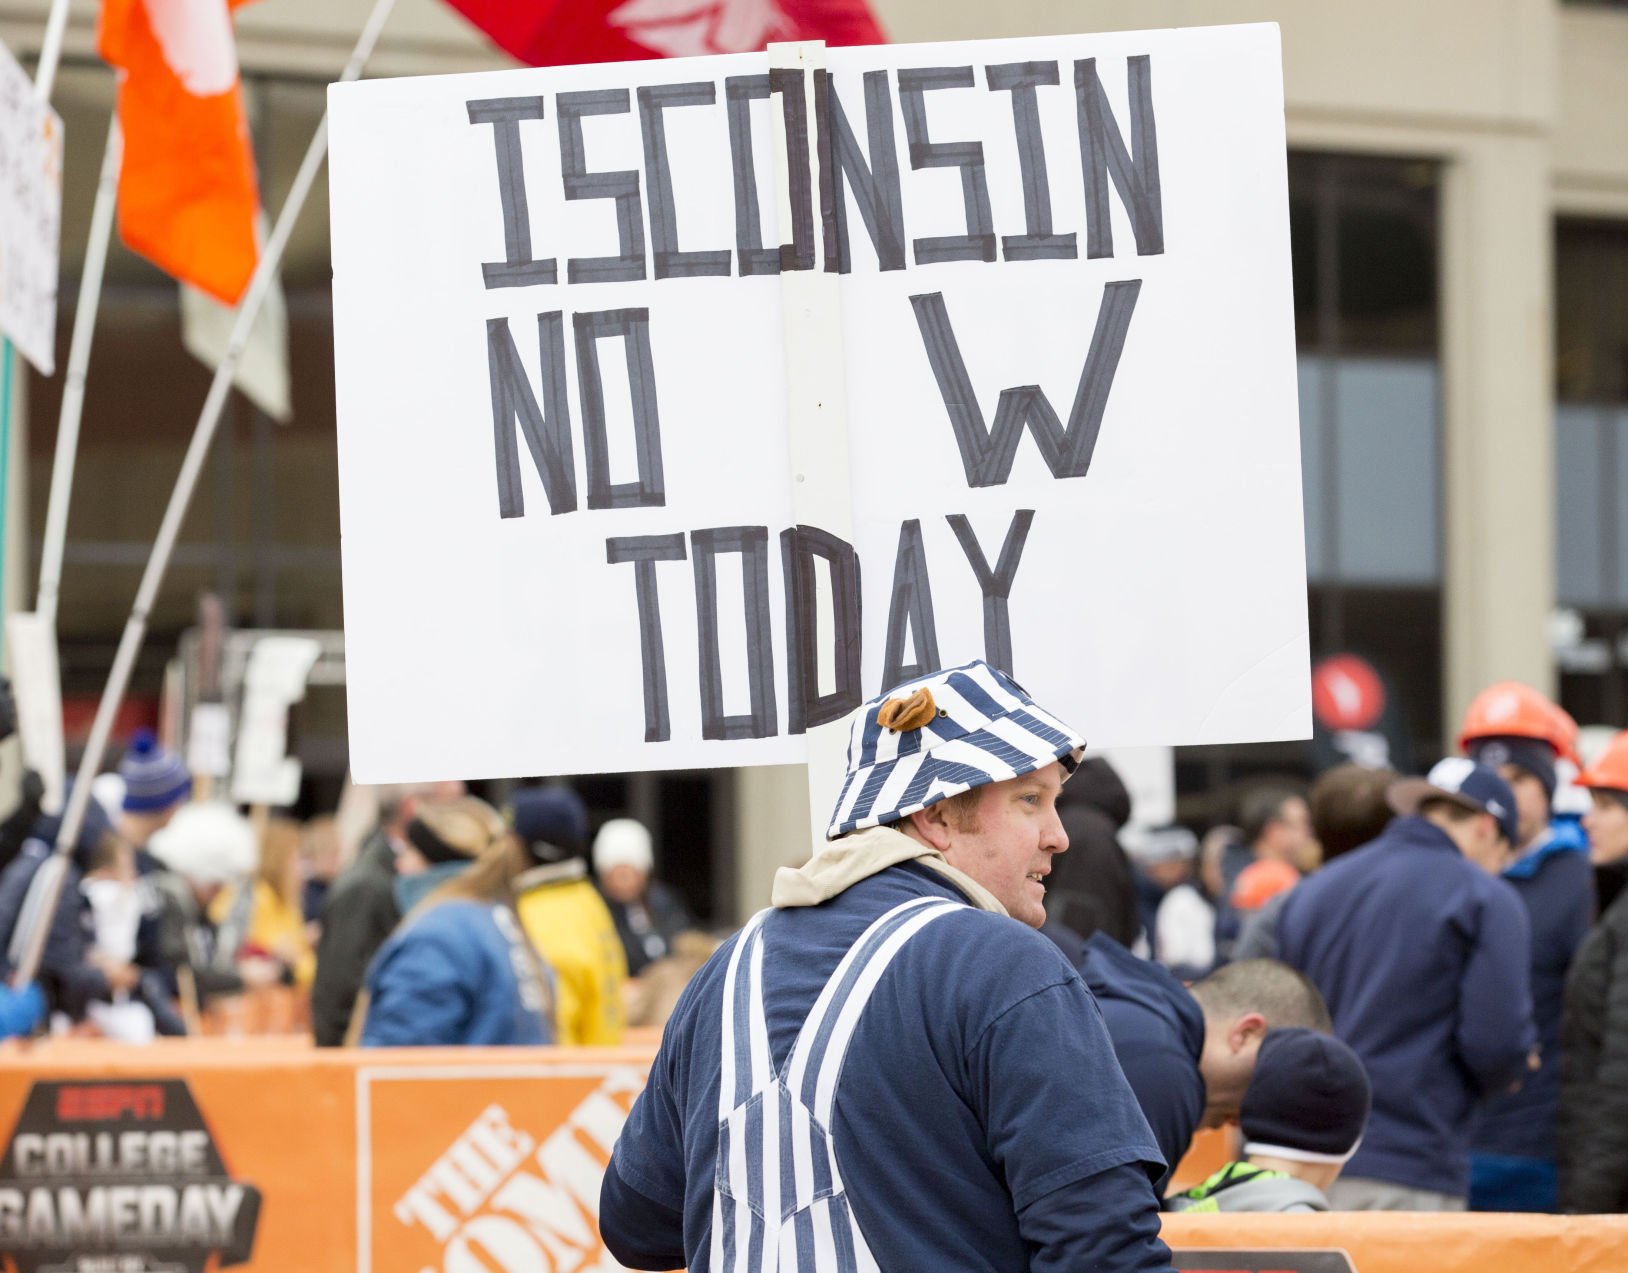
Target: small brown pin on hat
901	715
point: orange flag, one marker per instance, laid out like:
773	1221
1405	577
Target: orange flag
187	193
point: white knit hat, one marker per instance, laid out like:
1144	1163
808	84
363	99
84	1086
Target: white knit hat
208	843
623	842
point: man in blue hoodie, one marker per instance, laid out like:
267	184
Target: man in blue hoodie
1189	1054
890	1069
1422	954
1515	730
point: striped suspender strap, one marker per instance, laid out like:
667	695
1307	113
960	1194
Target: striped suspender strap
816	1058
731	1217
770	1149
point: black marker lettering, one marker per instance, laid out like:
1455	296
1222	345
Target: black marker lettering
807	707
633	326
997	583
518	268
579	183
752	543
875	183
1135	172
547	429
740	91
912	607
987	453
644	551
670	261
1038	243
978	243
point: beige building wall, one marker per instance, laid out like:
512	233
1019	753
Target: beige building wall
1525	104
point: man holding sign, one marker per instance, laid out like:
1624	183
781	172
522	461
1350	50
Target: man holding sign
883	1070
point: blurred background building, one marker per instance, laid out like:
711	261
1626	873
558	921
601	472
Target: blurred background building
1459	202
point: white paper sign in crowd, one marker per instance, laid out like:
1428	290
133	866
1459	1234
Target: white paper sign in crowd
30	215
1068	347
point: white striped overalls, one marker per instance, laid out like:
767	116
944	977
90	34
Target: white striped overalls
778	1203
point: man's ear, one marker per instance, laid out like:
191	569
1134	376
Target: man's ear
1247	1029
929	826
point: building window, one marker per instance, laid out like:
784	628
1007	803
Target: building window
1591	468
1363	235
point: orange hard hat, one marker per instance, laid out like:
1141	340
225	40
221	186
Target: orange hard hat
1512	710
1610	767
1261	881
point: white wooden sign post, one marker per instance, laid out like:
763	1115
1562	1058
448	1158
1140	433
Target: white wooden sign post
683	405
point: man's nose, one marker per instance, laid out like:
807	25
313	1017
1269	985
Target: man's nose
1056	837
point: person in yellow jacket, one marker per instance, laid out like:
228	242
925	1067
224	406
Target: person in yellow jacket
565	918
260	920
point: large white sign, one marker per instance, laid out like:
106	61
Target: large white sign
1067	346
30	215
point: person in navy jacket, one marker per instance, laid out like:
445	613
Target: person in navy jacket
1521	734
1189	1052
1422	953
890	1068
458	969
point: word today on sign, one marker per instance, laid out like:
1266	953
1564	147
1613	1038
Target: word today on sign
575	538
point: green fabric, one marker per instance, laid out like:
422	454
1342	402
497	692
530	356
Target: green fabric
1201	1197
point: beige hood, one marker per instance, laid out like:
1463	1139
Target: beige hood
859	855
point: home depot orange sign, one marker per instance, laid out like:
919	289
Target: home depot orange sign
467	1170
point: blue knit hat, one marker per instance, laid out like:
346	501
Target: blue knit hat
1308	1099
942	734
552	822
154	777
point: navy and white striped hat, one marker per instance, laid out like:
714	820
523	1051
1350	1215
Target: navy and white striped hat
983	728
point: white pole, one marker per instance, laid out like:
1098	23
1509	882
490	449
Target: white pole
817	422
135	627
73	385
45	75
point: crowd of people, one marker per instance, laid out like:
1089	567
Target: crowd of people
1408	993
456	923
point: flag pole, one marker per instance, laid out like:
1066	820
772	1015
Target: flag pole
45	77
73	384
29	950
45	73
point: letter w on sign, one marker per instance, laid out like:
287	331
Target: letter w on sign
987	452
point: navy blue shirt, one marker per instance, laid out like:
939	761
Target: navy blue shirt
1157	1030
981	1121
1556	882
1423	959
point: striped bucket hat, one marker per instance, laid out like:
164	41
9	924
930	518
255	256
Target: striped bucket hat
942	734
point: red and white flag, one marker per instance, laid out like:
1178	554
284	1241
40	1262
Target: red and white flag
563	32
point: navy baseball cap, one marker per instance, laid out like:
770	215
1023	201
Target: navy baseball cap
552	822
1469	785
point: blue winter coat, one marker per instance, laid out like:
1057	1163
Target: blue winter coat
1556	882
981	1122
460	972
1424	960
1157	1029
69	981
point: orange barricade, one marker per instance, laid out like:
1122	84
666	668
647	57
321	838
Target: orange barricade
1210	1151
1411	1242
271	1154
268	1154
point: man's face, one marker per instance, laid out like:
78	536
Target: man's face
1531	803
1288	836
1227	1064
1607	827
1486	845
1007	840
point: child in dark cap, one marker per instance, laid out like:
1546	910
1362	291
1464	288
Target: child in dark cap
1302	1117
